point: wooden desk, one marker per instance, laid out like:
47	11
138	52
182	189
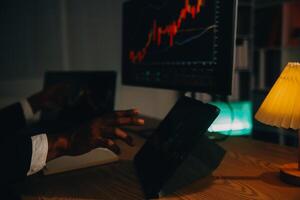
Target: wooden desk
248	171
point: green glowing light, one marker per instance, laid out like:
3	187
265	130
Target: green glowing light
235	118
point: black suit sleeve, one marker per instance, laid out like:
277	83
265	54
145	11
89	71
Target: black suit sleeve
15	157
12	120
15	148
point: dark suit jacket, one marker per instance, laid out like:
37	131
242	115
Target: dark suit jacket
15	148
15	137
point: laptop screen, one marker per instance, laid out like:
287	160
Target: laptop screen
88	91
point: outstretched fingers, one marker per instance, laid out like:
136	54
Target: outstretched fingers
124	121
126	113
117	133
124	118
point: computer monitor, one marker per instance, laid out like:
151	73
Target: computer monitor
186	45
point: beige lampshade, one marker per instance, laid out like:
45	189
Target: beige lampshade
281	107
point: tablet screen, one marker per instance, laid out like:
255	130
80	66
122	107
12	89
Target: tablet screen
175	138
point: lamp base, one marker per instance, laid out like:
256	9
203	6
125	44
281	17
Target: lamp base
290	173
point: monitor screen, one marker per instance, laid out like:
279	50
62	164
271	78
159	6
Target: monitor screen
179	44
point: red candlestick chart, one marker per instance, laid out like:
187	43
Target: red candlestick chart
154	37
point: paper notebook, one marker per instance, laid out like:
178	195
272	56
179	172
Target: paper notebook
98	156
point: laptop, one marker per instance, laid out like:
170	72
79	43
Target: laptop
97	86
99	89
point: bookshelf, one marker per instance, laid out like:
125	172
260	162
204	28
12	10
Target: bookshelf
277	39
276	42
268	36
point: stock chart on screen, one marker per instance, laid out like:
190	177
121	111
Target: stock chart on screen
178	44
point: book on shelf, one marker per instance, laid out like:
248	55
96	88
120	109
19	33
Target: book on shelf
242	55
269	67
291	24
235	88
268	25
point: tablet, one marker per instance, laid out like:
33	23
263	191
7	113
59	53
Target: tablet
178	152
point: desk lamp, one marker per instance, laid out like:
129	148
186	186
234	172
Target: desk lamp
281	108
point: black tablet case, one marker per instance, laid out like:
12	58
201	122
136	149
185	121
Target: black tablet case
179	152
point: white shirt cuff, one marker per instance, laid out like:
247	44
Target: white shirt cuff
30	117
39	153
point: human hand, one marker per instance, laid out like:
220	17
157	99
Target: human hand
52	98
100	132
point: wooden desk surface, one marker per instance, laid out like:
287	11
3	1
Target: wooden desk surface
248	171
